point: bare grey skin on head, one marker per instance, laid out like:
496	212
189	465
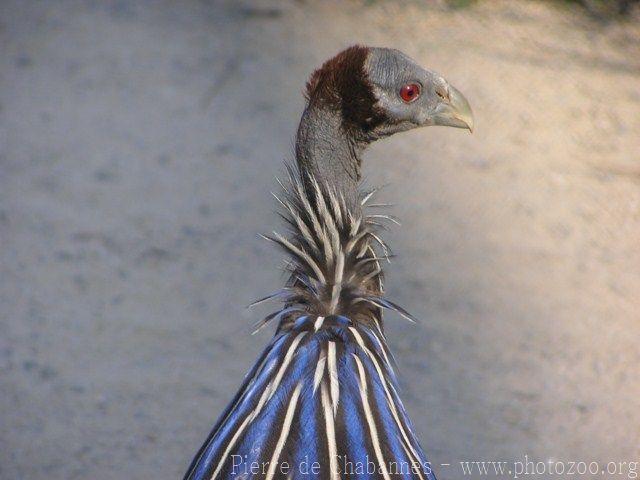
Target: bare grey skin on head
344	115
438	104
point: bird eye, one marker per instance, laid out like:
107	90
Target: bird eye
410	92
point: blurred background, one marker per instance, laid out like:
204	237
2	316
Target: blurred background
140	141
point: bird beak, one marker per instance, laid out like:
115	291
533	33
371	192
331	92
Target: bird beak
453	110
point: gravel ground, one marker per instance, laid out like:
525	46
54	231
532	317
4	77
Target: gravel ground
140	141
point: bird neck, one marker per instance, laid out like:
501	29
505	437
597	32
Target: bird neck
326	152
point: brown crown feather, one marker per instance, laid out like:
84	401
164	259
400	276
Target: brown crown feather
341	84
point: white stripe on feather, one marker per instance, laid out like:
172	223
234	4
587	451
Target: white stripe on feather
250	417
372	274
333	376
383	349
369	416
231	444
302	254
384	217
301	195
333	199
247	419
337	283
327	248
331	433
354	239
390	402
327	217
363	249
366	198
322	360
306	233
285	432
385	248
285	363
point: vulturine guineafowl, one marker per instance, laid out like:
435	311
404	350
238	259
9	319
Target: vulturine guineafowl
322	400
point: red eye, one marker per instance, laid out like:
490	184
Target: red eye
410	92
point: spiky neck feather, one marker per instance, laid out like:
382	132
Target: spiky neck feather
331	249
332	243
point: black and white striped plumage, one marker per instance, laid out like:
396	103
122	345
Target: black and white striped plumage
322	400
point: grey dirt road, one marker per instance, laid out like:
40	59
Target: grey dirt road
138	145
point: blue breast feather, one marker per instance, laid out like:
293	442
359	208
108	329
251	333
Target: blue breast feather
320	402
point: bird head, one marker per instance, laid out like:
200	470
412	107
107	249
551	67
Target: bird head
381	91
